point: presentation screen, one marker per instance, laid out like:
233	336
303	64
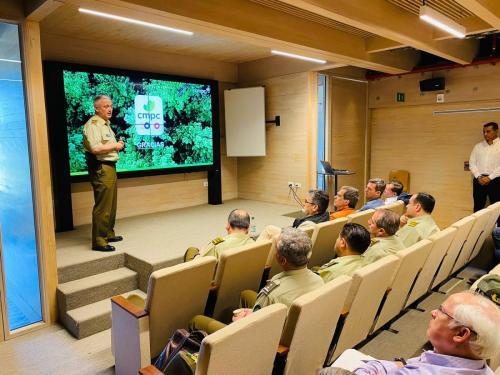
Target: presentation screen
167	123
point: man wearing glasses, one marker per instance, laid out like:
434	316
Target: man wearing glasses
464	332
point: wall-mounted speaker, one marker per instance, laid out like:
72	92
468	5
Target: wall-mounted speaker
432	84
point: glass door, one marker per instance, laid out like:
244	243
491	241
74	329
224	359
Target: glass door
21	298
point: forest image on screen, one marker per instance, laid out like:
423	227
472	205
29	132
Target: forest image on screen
164	124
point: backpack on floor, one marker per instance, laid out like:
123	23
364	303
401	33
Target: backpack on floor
489	286
181	353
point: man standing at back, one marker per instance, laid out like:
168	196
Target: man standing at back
484	164
417	224
101	153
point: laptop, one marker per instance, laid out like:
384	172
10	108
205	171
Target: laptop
329	169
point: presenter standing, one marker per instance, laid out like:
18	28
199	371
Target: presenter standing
101	153
484	163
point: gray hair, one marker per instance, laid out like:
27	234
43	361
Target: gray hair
379	184
351	194
239	219
295	245
99	97
334	371
388	221
483	317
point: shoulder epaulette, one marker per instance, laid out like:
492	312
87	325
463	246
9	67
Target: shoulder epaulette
217	240
94	122
373	241
270	286
412	224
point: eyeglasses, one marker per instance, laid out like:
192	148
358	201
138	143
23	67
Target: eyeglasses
441	309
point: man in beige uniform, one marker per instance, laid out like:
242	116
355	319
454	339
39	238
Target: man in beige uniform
237	226
293	253
101	153
417	224
352	242
383	226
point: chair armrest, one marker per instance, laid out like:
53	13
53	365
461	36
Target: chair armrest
129	307
150	370
282	350
344	313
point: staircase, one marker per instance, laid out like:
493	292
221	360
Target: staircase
85	289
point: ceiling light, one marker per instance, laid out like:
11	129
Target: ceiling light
11	61
300	57
134	21
441	21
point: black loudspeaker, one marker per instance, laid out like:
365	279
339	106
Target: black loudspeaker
432	84
214	186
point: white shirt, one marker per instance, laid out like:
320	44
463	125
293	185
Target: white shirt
391	200
485	159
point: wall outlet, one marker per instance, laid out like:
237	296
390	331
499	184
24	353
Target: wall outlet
290	184
298	185
205	183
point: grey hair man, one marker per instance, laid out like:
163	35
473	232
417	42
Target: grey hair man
464	333
373	194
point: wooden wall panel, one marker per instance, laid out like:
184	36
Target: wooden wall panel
287	147
348	130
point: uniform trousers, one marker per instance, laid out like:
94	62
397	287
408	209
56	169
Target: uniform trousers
480	193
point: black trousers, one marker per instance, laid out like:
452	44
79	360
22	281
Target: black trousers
480	193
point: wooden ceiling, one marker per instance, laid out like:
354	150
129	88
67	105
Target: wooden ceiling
369	34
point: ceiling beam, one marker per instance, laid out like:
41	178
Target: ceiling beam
378	44
381	18
488	10
258	25
11	10
36	10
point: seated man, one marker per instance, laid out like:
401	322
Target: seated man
392	191
315	208
417	223
345	202
352	242
237	226
383	226
464	333
373	194
293	250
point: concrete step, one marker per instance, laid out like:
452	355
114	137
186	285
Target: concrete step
95	288
77	265
90	319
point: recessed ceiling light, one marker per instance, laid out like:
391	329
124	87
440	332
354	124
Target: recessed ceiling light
134	21
300	57
441	21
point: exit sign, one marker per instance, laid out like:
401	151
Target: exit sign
400	96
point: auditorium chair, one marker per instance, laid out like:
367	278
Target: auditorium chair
412	261
324	237
310	326
463	229
245	347
238	269
397	207
402	176
367	290
494	212
481	219
174	295
361	217
440	243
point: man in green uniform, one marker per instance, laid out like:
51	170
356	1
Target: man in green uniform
352	242
237	226
293	253
417	224
101	153
383	226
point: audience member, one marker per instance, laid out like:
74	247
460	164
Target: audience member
316	211
237	226
373	194
496	241
352	242
293	251
464	333
392	191
383	226
417	223
345	202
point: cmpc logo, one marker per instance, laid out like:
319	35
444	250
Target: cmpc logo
148	115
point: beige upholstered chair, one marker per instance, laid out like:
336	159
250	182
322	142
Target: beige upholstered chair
245	347
397	207
463	229
323	238
175	294
482	218
368	287
412	261
440	243
310	326
401	175
238	269
494	212
496	270
361	217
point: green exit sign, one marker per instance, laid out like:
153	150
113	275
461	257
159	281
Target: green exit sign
400	96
